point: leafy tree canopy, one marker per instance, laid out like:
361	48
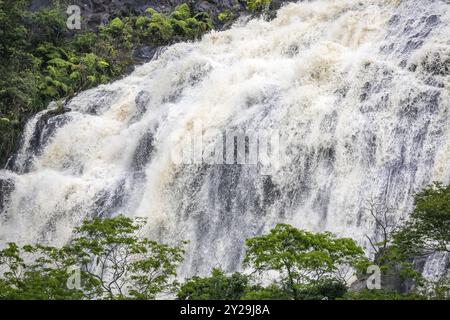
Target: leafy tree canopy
428	229
300	257
114	261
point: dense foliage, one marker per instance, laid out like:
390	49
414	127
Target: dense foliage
41	60
424	233
112	262
303	259
218	286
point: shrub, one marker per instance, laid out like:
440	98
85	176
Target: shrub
258	5
225	16
301	258
182	12
216	287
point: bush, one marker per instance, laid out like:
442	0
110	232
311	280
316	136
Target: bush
114	263
258	5
182	12
225	16
301	258
40	61
428	229
216	287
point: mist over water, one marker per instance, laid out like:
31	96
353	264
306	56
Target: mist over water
357	90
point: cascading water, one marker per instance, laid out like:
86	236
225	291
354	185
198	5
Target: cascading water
357	91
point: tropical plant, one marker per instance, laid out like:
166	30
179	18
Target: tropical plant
113	261
302	258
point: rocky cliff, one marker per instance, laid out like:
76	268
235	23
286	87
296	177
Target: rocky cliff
98	12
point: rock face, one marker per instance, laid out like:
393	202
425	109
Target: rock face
6	187
145	53
97	12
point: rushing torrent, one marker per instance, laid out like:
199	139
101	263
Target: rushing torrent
358	92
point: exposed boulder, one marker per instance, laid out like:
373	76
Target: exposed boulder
145	54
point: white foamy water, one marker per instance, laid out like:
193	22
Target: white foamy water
358	90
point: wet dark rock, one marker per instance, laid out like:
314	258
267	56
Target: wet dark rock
394	20
321	204
391	278
144	152
96	13
412	45
437	63
271	192
145	54
46	127
432	20
98	100
6	188
433	82
412	67
142	102
418	103
365	91
228	191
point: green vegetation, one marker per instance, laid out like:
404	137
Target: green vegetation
256	6
226	16
428	229
217	287
306	262
114	261
42	61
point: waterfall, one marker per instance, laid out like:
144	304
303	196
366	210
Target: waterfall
356	92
